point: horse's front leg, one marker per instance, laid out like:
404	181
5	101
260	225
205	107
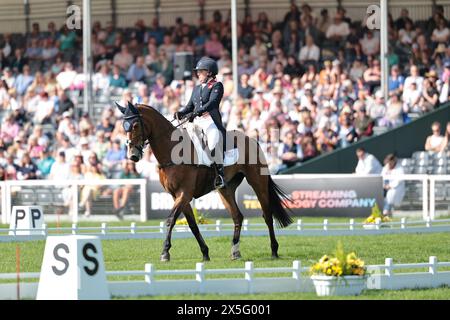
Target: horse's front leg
180	201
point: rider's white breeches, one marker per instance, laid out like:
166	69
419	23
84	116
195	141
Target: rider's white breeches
210	130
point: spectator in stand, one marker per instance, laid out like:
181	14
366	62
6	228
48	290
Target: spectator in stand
114	157
414	77
44	163
122	194
430	94
289	152
245	90
377	109
310	52
396	81
138	71
394	188
372	76
394	112
346	133
106	127
66	78
367	163
101	80
446	141
338	30
435	140
123	59
90	192
26	169
24	80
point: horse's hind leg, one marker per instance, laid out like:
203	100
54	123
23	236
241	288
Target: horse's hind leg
260	185
180	202
194	228
230	204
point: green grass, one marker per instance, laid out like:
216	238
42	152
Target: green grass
133	254
442	293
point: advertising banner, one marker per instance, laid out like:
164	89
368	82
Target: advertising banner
316	195
333	195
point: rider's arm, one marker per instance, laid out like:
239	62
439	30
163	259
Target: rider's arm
214	99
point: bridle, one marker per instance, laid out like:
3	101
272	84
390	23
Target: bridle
128	122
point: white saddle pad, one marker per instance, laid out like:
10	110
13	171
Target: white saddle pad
196	135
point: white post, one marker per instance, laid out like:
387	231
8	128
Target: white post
428	222
296	268
104	228
87	57
75	202
4	209
388	262
234	49
325	224
8	203
425	198
149	270
377	223
143	199
433	265
384	43
161	227
133	228
352	224
432	198
200	275
249	275
299	224
218	222
44	229
245	225
403	223
74	228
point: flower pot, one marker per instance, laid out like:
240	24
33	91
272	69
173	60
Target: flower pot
371	226
338	286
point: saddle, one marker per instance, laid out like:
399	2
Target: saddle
198	138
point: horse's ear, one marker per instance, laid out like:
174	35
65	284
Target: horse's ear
122	109
132	108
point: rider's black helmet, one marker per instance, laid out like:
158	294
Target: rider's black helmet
206	63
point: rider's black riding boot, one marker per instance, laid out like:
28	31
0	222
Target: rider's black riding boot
219	182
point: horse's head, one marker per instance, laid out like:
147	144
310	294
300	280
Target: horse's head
135	130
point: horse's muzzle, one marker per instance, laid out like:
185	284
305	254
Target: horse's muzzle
134	158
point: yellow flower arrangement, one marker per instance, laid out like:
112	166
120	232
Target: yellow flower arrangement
198	218
341	265
375	214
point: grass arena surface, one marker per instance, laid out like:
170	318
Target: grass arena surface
133	254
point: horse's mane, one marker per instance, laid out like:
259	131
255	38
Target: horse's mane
156	112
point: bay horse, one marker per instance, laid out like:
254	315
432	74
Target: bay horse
144	124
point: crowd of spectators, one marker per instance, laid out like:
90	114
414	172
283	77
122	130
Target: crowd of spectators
307	85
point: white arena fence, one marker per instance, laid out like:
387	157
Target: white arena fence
42	192
429	194
217	229
247	280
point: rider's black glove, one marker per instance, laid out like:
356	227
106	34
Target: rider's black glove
178	115
193	116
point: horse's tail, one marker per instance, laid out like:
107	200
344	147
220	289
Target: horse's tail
276	197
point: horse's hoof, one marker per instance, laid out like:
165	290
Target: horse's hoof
236	255
275	256
165	257
206	258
